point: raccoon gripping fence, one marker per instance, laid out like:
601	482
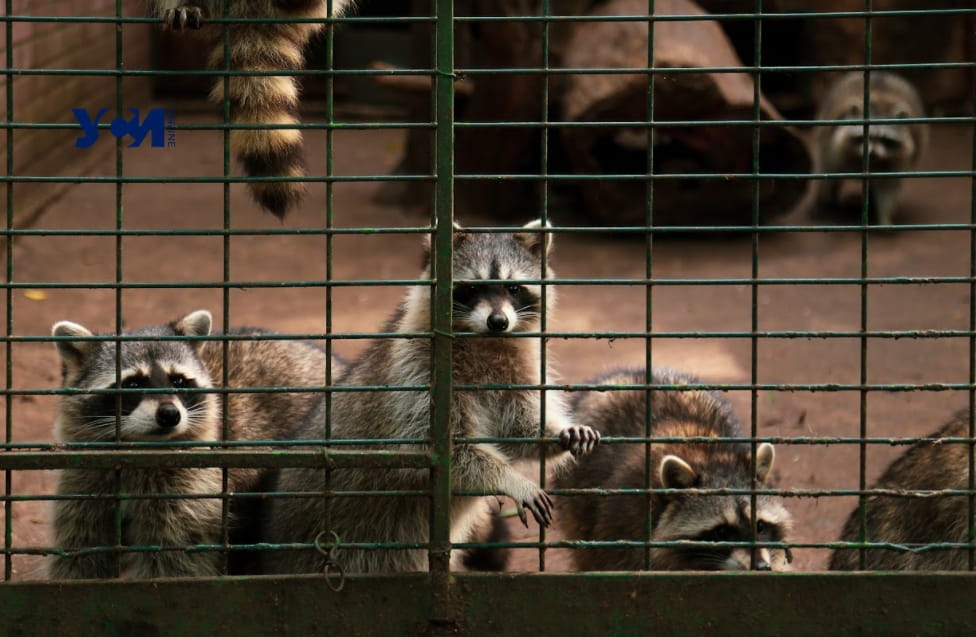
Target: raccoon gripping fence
758	382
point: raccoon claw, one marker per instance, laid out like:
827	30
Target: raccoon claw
541	508
579	440
180	18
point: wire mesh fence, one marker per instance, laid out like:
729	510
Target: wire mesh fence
759	222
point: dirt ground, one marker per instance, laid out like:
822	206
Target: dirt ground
914	306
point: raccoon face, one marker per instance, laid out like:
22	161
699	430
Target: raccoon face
494	308
130	411
885	142
509	303
733	524
721	518
148	416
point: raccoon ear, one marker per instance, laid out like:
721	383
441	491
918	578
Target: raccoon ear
765	454
197	323
535	242
675	473
459	236
73	353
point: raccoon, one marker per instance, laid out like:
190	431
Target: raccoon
259	99
156	417
674	465
908	521
491	527
488	310
891	147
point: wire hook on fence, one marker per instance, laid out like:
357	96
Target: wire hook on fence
333	569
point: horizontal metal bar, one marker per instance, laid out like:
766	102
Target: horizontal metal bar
786	387
230	126
473	72
766	14
338	283
236	495
138	459
220	20
554	177
549	124
642	230
833	603
549	18
556	544
610	335
175	445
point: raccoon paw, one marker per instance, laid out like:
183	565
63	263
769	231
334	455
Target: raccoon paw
184	17
540	505
579	440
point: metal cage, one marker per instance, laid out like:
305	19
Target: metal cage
441	601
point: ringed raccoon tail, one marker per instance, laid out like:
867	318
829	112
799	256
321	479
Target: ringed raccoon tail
259	100
262	100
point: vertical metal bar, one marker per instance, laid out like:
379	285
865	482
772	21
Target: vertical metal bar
865	219
543	319
441	354
649	288
9	327
971	531
224	397
754	340
225	520
119	224
329	219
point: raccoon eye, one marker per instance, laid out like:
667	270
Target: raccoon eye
178	381
135	382
515	290
761	527
721	533
464	294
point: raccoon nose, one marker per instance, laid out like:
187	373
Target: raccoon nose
763	565
167	415
497	322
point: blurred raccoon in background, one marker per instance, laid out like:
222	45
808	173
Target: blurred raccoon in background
891	147
913	522
259	99
674	465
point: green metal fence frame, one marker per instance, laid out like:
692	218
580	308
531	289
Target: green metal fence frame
441	602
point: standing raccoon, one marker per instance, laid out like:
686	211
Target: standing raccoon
489	310
674	465
891	147
156	417
259	99
912	521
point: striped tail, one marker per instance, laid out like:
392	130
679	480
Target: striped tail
263	100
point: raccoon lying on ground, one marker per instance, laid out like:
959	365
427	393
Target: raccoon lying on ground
259	99
154	364
488	310
916	521
891	147
674	465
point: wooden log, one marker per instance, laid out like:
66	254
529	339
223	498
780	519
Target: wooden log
690	150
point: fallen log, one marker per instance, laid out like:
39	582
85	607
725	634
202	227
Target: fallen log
693	149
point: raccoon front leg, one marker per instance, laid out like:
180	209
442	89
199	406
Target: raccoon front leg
180	15
579	440
480	467
828	191
79	526
174	525
884	199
